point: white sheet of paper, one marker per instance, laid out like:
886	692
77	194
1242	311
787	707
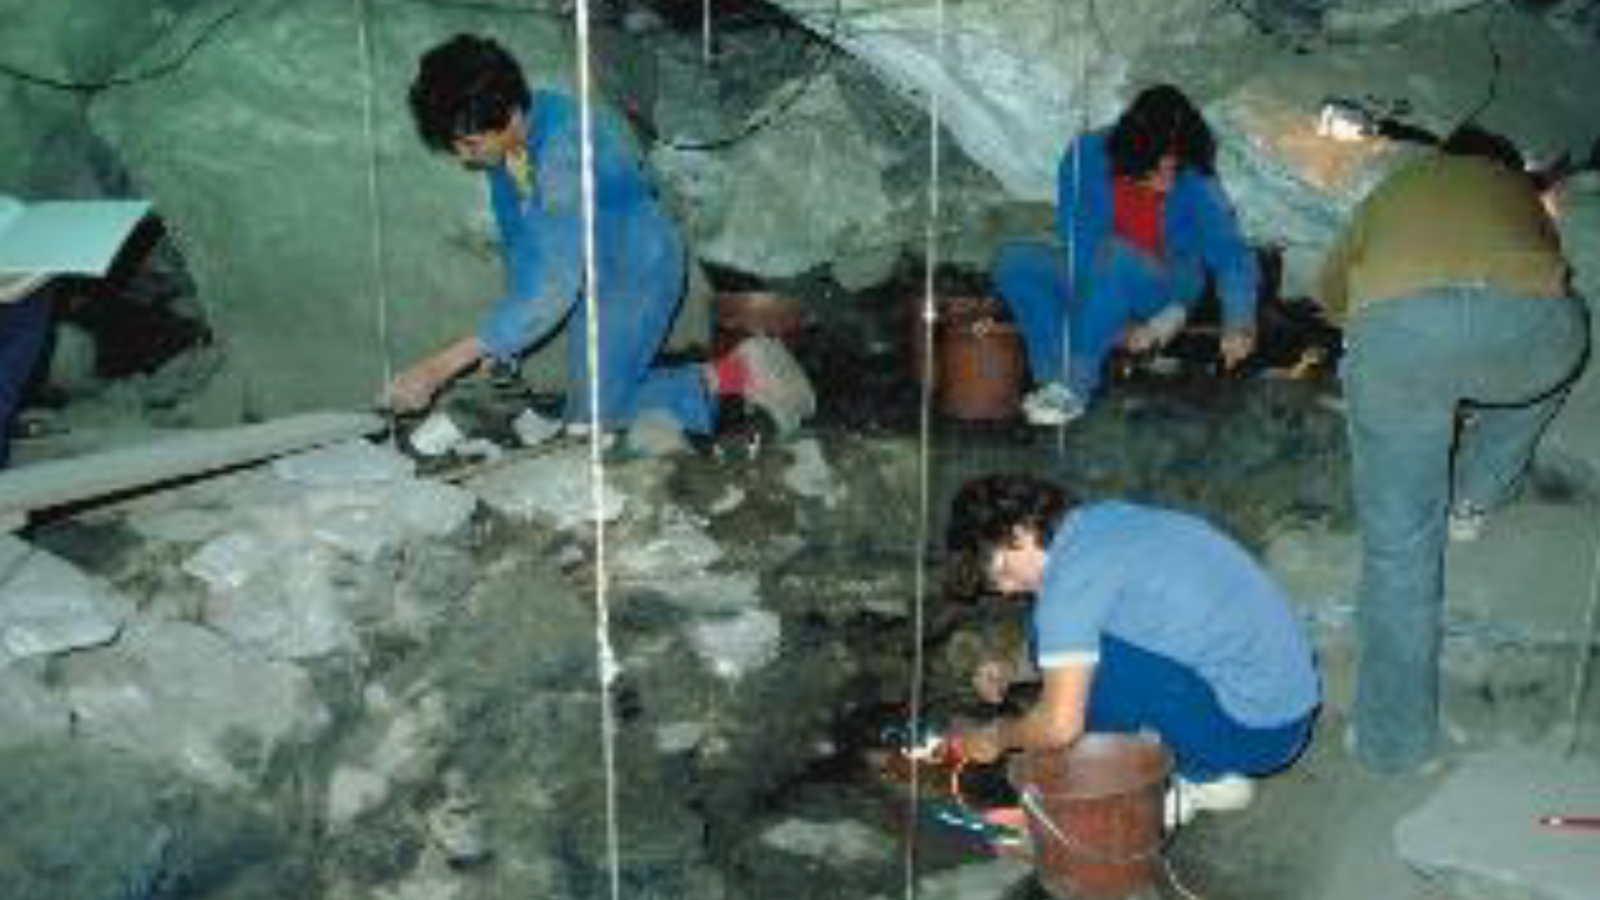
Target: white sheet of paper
68	237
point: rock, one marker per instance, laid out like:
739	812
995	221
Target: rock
739	644
344	464
47	606
833	842
712	592
679	737
679	547
809	474
179	695
352	792
798	193
29	711
554	488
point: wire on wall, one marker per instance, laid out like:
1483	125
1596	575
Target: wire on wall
161	70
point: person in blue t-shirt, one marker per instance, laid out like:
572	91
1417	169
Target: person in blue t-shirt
469	99
1143	619
1141	217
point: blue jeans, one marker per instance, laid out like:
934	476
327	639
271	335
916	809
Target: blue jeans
1069	333
1411	365
636	314
1135	689
24	325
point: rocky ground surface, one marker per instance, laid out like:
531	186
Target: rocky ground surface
356	673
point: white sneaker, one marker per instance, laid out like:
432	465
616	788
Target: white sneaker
1157	331
1467	522
533	429
1051	404
1185	799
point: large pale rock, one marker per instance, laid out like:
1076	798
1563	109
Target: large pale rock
554	488
28	710
48	606
180	695
800	192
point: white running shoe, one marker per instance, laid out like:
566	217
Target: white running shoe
1051	404
1186	799
1157	331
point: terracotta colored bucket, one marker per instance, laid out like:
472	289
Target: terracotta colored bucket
1095	814
979	367
741	314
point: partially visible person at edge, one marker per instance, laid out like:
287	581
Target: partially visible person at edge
24	330
1140	217
1142	619
469	99
1461	340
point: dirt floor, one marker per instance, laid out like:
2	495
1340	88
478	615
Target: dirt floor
1259	453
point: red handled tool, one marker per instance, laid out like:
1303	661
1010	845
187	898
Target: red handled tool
1573	823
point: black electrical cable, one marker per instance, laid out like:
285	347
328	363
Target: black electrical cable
161	70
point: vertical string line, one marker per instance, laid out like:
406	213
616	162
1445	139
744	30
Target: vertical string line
1080	93
930	316
604	652
380	283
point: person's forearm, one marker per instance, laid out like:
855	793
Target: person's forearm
1032	731
453	359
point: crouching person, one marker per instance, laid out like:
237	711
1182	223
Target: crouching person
1142	619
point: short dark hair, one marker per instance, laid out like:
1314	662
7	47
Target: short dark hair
466	85
986	514
1161	121
1472	139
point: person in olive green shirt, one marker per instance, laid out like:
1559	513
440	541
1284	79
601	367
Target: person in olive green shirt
1461	340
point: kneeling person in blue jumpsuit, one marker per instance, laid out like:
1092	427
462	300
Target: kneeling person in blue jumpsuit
469	99
1143	619
1140	216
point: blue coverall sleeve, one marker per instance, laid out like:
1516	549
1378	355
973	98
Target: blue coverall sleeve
1225	250
542	236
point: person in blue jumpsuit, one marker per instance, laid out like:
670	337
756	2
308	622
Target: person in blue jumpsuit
1140	217
24	329
1142	619
469	99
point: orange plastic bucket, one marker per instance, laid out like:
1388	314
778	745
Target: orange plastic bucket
979	365
1095	813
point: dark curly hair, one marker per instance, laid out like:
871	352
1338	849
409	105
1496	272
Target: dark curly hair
987	512
466	85
1161	120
